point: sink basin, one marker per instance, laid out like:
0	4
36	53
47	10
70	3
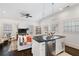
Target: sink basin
57	37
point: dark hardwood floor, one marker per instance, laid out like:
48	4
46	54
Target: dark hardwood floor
4	51
72	51
26	52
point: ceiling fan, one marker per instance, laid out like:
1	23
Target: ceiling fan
25	15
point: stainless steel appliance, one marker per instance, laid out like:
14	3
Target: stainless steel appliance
50	47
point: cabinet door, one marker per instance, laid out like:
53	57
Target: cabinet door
59	46
42	49
35	48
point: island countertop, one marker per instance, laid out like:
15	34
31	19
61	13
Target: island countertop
41	39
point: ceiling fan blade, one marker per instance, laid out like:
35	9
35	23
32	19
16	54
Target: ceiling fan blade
30	16
22	14
26	16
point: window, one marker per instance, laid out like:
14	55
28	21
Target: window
71	26
7	29
38	30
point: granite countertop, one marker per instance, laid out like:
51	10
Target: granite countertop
40	38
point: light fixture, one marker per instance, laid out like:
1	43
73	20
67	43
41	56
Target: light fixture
3	11
52	3
60	9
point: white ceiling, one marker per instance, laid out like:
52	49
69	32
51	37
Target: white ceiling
37	10
62	6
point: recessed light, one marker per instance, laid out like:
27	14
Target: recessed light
60	9
3	11
67	6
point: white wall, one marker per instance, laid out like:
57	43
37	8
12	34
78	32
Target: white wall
26	23
48	21
72	39
8	21
16	23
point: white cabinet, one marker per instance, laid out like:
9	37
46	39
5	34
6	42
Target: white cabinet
42	49
38	49
59	46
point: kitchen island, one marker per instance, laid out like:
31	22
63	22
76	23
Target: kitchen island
42	46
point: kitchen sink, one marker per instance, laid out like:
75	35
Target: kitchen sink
57	36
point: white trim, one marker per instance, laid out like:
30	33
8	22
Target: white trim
71	44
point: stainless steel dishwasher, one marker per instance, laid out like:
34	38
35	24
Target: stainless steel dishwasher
54	46
50	46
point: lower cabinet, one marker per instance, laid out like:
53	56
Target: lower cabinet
60	46
38	49
55	47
